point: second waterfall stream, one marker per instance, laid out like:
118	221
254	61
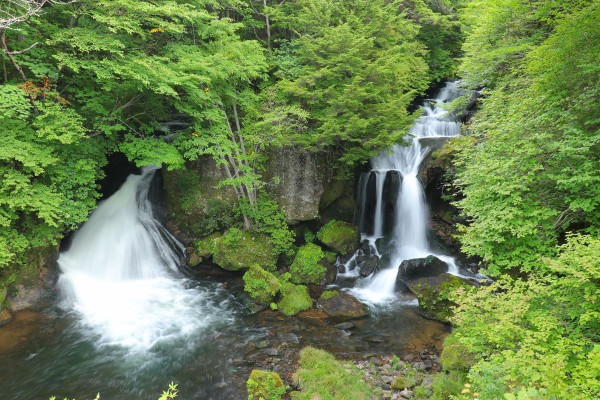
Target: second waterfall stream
402	230
120	275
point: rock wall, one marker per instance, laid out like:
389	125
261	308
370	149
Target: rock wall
303	183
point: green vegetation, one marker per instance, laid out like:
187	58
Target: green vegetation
261	285
238	249
545	329
265	385
322	376
534	173
339	236
294	299
306	267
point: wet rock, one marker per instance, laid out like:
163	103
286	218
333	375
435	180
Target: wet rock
313	314
261	344
373	339
369	266
421	267
5	317
365	247
192	257
342	306
271	352
330	272
288	337
385	261
344	326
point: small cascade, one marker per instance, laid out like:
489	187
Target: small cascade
120	276
408	238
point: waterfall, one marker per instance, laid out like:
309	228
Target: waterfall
408	238
120	277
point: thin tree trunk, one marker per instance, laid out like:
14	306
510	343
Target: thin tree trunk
267	25
10	57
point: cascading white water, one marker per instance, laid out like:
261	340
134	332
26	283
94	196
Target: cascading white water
409	236
378	226
120	274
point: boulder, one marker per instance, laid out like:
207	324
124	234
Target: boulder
306	267
297	181
433	293
341	305
369	266
294	299
238	250
421	268
341	237
261	285
385	261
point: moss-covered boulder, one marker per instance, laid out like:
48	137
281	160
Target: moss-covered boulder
294	298
261	285
341	237
434	294
262	385
307	267
206	247
237	250
456	356
341	305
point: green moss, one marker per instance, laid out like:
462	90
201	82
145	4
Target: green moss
306	267
408	378
330	257
294	298
435	294
445	385
339	236
456	356
265	385
328	294
261	285
321	376
237	250
206	247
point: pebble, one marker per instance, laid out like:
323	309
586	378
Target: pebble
406	393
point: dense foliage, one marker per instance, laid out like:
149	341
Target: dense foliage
529	184
534	174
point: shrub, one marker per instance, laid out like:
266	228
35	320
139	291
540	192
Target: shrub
321	376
